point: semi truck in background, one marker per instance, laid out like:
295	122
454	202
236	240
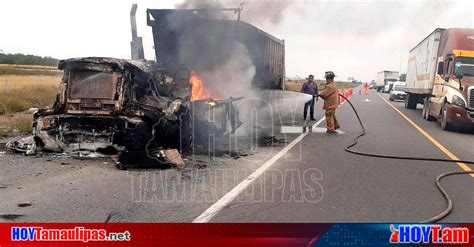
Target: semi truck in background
384	78
440	75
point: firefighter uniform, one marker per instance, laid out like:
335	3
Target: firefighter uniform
331	102
366	88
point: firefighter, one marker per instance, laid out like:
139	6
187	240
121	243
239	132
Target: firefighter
366	88
331	102
310	87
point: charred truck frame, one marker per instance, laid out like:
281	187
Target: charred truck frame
111	107
108	106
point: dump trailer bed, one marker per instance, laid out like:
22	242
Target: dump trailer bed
184	39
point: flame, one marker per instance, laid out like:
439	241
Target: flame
198	91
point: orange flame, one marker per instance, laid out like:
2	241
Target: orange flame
198	91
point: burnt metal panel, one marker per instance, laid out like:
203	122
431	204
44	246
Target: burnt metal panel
170	28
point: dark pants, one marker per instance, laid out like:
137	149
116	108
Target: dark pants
309	104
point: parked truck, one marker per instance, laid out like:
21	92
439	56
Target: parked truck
384	78
440	75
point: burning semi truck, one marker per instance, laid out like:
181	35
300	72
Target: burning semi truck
114	107
441	76
108	106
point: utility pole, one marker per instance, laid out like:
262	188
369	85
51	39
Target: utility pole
401	56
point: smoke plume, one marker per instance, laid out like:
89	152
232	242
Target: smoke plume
224	64
254	12
211	49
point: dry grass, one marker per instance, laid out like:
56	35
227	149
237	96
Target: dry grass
295	85
17	122
23	87
21	92
7	69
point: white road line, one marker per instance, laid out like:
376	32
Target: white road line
207	215
231	195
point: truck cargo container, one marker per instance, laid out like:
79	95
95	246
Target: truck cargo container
440	74
171	27
384	77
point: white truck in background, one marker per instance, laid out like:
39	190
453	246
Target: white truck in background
384	77
440	74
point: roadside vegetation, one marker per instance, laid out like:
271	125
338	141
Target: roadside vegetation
7	69
27	59
23	87
295	85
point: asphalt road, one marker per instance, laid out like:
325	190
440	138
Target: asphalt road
312	180
363	189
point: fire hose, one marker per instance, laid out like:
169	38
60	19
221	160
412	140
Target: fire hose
439	186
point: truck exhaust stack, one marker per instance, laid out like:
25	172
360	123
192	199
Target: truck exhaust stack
136	44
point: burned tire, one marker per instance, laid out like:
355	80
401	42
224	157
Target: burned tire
445	125
137	139
411	101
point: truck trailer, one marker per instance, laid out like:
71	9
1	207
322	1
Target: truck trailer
191	40
440	75
384	77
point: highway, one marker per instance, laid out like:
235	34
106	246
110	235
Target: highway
364	189
311	179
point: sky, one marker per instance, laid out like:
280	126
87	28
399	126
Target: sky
352	38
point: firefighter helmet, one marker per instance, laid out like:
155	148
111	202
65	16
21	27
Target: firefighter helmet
329	75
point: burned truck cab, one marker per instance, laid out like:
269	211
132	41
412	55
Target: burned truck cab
107	106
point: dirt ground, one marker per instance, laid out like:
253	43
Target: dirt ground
57	188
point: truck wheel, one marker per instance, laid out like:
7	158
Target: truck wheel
414	101
445	125
411	101
281	83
